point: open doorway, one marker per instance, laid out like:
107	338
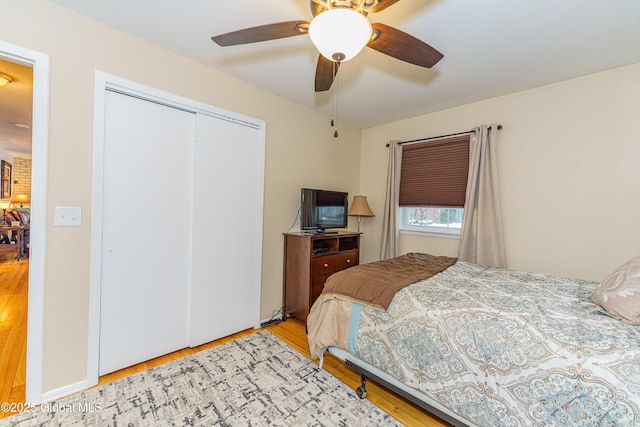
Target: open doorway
16	109
38	65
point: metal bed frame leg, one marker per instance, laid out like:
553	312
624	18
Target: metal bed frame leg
361	391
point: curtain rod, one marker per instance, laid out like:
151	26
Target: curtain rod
438	137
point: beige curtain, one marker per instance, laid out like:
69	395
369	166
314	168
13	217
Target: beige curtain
390	234
481	238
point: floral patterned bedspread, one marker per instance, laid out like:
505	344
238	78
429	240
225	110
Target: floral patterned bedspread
505	348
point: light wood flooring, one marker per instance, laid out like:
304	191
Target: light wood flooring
13	329
14	280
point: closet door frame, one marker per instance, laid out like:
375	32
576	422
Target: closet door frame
103	82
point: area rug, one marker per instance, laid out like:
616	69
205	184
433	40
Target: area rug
256	380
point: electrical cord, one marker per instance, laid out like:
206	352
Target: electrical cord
272	320
295	219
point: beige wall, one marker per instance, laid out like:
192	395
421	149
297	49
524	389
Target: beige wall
6	155
299	152
568	164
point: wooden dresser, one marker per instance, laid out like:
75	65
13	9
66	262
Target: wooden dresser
308	260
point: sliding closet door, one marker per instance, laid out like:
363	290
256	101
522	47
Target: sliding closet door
227	223
148	169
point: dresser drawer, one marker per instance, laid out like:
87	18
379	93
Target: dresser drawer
317	286
348	259
328	264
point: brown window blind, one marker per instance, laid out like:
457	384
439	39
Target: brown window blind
434	173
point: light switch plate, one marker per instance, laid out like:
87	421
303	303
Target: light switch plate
67	216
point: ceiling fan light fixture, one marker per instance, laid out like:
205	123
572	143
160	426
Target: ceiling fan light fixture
5	80
340	34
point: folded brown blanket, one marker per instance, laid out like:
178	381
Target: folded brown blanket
374	284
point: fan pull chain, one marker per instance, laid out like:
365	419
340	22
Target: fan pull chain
334	107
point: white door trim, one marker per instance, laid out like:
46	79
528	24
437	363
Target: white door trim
38	225
102	83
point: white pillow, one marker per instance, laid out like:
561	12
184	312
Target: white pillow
619	293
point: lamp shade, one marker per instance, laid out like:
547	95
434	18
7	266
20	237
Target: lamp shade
4	204
360	207
340	34
21	198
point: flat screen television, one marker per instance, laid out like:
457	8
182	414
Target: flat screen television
323	209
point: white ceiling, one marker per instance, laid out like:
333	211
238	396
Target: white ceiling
15	108
490	47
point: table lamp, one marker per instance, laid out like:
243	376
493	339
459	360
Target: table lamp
22	199
4	205
360	208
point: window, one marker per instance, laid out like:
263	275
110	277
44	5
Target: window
433	183
431	220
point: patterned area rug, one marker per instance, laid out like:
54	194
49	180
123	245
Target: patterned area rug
252	381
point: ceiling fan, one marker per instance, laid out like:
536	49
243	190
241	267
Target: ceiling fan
339	30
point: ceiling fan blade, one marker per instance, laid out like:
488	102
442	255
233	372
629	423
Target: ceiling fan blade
262	33
403	46
326	70
381	5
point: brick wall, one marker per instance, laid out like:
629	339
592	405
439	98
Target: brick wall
21	177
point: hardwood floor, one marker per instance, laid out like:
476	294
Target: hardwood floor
13	330
293	332
14	280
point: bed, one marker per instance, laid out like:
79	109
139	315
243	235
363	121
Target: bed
482	346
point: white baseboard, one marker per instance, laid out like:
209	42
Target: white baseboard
64	391
83	385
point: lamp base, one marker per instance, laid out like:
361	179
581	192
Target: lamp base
3	220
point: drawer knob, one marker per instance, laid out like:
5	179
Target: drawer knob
348	261
326	265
